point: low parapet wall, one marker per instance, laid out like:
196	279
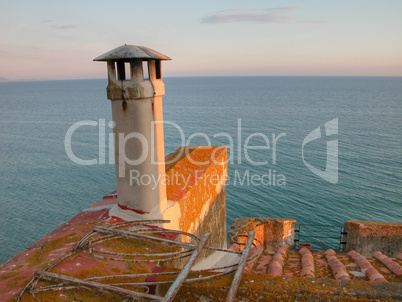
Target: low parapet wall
272	232
367	237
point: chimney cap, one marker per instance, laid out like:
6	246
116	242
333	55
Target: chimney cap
131	52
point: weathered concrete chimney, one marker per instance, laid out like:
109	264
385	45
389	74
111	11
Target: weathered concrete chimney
136	89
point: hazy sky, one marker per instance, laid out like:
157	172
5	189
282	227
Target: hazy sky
51	39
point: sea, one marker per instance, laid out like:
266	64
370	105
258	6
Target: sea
321	150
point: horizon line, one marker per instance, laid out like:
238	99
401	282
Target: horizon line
214	76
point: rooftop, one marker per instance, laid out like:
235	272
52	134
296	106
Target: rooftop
131	52
136	256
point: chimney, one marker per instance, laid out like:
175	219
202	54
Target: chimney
135	89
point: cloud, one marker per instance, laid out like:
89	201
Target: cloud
271	9
64	26
263	15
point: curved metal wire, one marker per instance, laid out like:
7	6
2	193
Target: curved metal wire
87	242
157	256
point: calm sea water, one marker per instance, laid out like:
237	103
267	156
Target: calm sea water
40	187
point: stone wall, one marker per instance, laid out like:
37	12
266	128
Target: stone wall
196	192
367	237
272	232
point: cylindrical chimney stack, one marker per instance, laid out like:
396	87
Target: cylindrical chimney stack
135	89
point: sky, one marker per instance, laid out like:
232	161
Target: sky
54	39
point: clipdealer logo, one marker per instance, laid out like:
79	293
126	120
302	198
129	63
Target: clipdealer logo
330	173
254	141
